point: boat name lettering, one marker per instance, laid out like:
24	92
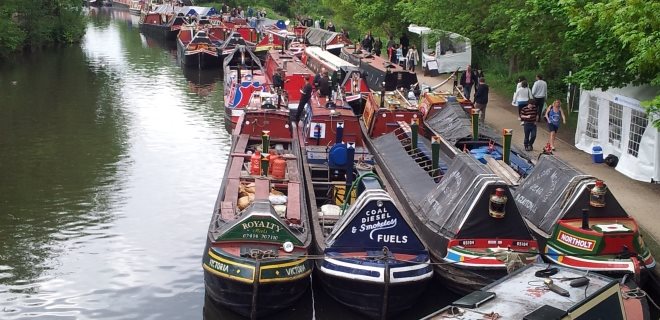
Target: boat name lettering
261	224
494	241
528	204
521	244
391	238
218	266
467	242
299	269
575	242
378	225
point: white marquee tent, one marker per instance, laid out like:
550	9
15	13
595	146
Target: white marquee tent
451	51
615	121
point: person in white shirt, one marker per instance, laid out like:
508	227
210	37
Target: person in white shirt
522	96
539	91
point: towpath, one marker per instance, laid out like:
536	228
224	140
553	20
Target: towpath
640	199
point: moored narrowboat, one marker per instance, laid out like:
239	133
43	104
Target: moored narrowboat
372	260
197	48
460	209
256	256
579	223
379	70
244	75
161	25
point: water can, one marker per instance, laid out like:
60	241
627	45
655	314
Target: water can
597	154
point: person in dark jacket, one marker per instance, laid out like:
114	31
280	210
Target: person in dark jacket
481	98
306	92
367	42
468	79
324	85
404	42
378	47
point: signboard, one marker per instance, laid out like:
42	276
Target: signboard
377	224
566	239
260	228
432	65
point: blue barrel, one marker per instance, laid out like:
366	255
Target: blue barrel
597	154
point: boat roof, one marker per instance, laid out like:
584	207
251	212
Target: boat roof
328	58
288	62
520	294
554	190
374	60
453	124
458	206
318	37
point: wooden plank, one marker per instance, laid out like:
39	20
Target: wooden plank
242	142
292	170
293	201
262	189
500	171
508	168
231	192
227	210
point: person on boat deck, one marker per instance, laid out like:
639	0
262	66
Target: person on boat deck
390	47
306	92
378	47
345	33
481	98
250	12
367	42
278	79
324	85
331	27
318	76
468	80
528	116
412	57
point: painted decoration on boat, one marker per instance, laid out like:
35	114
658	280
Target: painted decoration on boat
378	223
244	92
260	228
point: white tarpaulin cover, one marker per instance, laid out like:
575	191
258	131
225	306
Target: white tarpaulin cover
615	121
450	52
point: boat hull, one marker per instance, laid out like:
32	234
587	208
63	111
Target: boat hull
199	59
237	292
368	297
159	31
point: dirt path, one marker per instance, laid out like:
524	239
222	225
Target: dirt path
640	199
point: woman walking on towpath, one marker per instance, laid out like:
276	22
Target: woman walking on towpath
553	114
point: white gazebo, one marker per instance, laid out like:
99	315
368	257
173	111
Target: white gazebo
451	50
615	121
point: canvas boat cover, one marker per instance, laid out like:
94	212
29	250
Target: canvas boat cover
458	207
555	190
453	124
242	55
195	10
319	37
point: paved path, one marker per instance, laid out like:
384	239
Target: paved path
641	200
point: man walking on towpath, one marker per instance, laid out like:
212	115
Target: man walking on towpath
539	92
481	98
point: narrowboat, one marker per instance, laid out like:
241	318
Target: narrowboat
243	76
196	47
294	74
344	76
231	41
460	131
379	70
164	26
328	40
459	208
539	292
256	256
579	223
372	260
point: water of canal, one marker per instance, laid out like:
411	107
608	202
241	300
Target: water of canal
111	156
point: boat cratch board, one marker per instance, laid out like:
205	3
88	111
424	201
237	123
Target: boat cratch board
259	227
